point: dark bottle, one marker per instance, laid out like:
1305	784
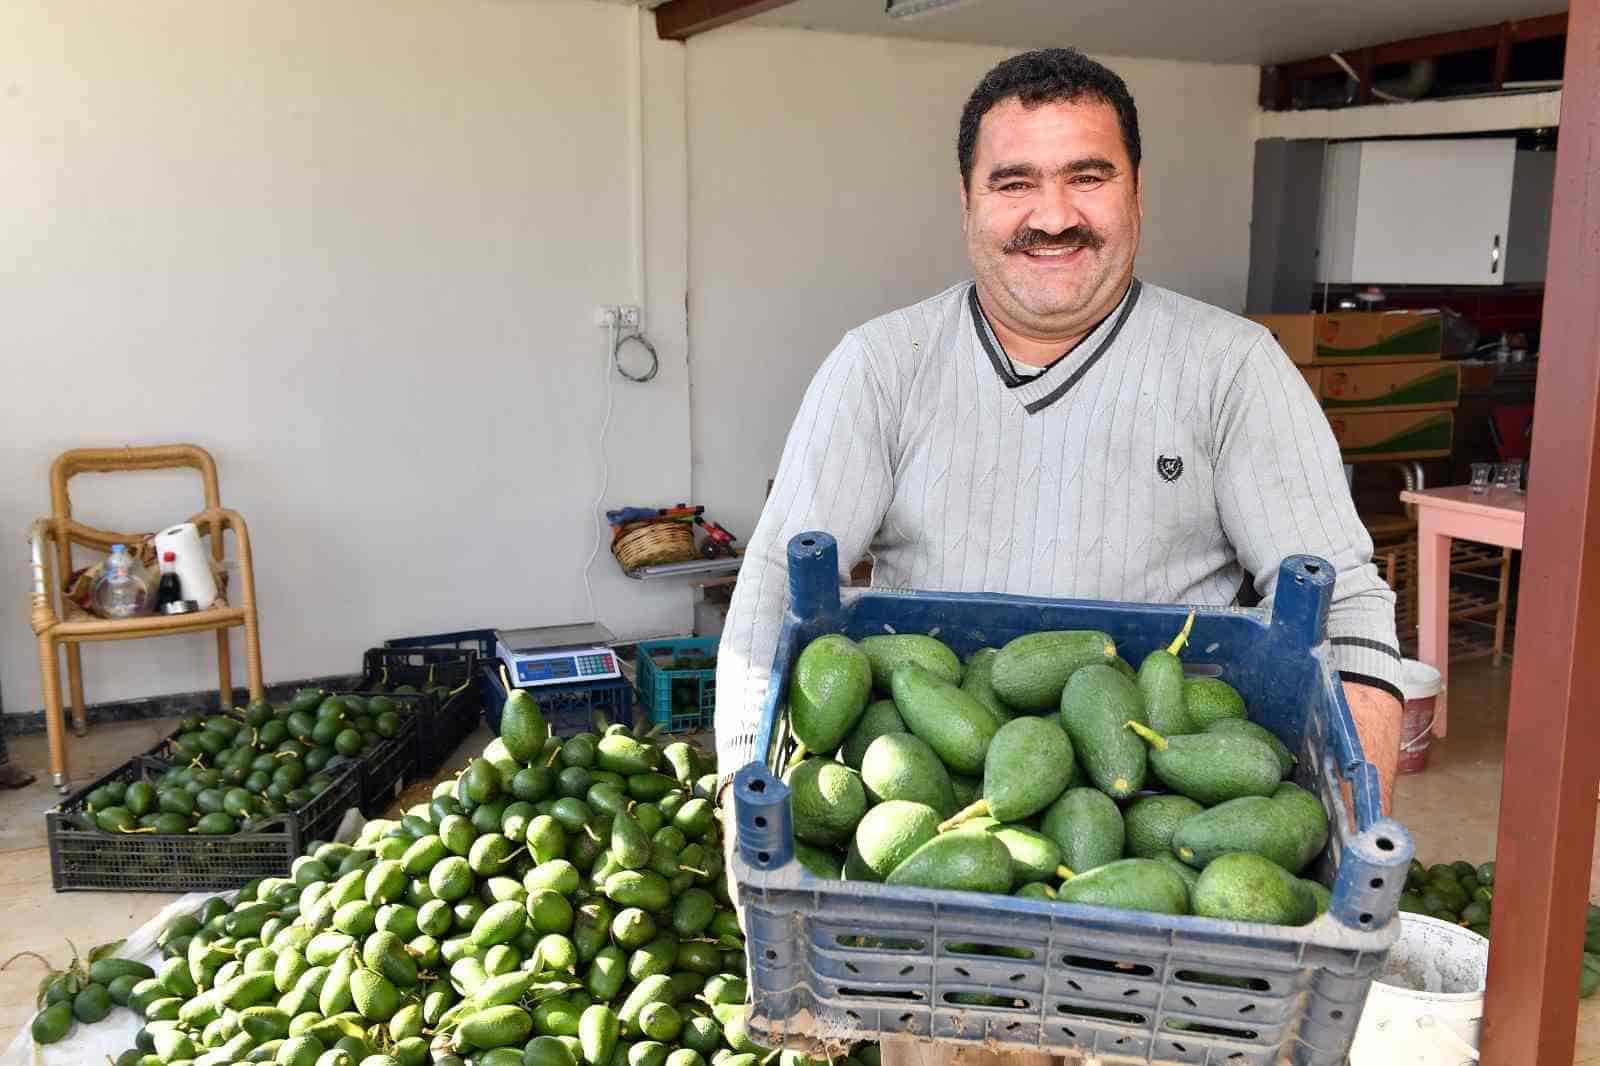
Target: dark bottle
169	590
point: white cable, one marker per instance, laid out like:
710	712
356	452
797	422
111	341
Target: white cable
612	340
1379	93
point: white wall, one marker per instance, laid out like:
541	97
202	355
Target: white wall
817	203
352	248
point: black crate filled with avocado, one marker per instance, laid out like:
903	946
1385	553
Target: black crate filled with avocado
315	726
154	826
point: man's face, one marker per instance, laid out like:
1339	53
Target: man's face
1051	216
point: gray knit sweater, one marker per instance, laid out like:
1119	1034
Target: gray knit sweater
1172	452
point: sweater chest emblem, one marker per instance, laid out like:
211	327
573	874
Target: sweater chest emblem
1170	467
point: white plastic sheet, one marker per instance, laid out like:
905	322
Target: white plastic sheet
112	1036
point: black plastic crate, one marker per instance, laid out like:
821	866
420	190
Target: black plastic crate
441	724
90	860
391	763
568	709
385	768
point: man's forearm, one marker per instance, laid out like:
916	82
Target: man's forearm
1377	715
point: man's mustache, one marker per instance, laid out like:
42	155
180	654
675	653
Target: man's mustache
1071	238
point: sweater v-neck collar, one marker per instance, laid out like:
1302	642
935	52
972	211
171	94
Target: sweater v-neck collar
1043	389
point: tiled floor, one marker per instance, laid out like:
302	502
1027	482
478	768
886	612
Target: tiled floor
1450	810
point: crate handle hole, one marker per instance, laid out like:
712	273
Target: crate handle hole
908	994
1070	1034
1366	919
1198	977
1130	969
1180	1049
1130	992
1385	844
851	967
1013	1027
904	970
1313	568
758	785
1188	1002
761	821
1019	977
862	940
1075	986
964	947
962	972
1376	882
772	956
1337	1015
1247	1008
763	857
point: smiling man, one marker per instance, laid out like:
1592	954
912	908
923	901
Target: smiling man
1058	427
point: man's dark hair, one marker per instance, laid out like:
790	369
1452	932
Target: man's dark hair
1047	76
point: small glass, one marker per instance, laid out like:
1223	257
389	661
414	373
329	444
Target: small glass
1480	477
1508	476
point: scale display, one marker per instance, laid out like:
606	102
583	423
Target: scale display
557	655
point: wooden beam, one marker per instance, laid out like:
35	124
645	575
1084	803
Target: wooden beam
1552	767
1363	65
1502	56
1434	45
678	20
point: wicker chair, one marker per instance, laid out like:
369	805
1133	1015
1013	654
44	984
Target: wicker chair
58	620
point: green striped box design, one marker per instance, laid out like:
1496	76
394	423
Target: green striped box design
1425	337
1432	434
1438	387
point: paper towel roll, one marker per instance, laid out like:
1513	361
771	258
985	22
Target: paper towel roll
191	562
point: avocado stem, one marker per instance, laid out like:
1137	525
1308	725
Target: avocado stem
1151	737
976	809
1183	637
1064	873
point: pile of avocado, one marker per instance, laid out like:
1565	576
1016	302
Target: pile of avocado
231	773
556	903
1464	894
1048	768
85	992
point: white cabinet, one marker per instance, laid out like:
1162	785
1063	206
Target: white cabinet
1431	212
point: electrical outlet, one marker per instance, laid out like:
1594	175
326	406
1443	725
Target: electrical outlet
630	317
606	317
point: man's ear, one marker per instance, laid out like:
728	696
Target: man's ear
961	182
1138	188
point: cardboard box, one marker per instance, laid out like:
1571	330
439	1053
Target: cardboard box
1391	386
1313	376
1368	435
1349	337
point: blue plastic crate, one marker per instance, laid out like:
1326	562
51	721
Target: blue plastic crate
568	709
659	684
833	963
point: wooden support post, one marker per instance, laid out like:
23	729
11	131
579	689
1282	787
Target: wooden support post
1363	65
1547	801
1502	56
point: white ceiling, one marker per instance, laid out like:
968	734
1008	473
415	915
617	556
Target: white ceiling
1218	31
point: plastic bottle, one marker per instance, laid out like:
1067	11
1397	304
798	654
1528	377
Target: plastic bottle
123	589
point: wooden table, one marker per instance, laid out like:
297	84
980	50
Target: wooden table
1492	517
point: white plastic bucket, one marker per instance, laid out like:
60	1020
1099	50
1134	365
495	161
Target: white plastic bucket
1426	1004
1420	684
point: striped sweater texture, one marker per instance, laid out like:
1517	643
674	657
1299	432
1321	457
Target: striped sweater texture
1173	455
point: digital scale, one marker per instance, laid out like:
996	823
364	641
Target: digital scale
557	655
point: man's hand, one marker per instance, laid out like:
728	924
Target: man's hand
1377	715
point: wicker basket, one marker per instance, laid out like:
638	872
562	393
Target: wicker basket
650	543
